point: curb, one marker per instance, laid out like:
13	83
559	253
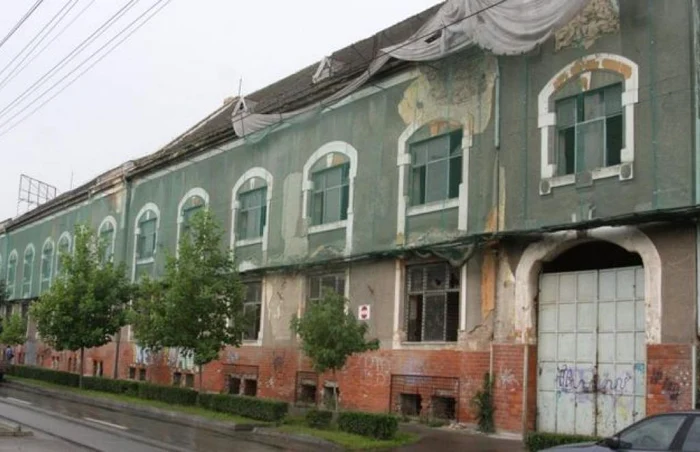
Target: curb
250	432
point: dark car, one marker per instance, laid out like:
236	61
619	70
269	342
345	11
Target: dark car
678	432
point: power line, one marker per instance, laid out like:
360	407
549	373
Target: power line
164	4
95	34
2	71
21	22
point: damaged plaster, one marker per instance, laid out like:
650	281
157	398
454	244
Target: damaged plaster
598	18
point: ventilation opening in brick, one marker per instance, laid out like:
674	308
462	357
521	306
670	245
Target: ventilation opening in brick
97	368
234	385
132	373
328	396
189	380
142	374
250	387
444	407
425	396
177	379
307	387
410	404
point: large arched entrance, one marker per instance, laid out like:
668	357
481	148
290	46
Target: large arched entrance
591	344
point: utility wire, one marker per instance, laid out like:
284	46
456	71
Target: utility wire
97	33
51	41
21	22
163	4
56	16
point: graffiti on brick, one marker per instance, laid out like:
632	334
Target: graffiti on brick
376	368
669	386
278	361
585	380
507	379
231	357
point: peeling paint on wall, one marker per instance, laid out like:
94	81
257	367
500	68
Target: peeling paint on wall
488	284
464	95
598	18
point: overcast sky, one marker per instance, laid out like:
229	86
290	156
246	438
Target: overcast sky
168	75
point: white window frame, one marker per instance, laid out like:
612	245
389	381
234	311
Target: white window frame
11	294
48	241
148	207
197	191
109	220
258	342
65	235
31	248
248	176
403	161
547	119
326	151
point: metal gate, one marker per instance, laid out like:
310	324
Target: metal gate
591	351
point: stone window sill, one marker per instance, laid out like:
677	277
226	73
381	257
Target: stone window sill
328	227
248	242
570	179
433	207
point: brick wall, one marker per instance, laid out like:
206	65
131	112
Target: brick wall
669	378
508	362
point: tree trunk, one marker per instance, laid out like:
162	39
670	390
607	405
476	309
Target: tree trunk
82	368
335	392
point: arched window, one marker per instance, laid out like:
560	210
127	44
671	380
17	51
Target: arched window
108	233
64	243
146	230
28	271
46	265
11	273
194	201
251	194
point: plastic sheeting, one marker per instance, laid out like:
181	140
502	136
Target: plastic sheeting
504	27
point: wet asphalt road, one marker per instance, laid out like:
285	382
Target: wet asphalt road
111	423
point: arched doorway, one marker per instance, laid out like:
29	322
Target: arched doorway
591	340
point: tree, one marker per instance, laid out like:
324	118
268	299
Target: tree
330	334
14	330
85	305
198	304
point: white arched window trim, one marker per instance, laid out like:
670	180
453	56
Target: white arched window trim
47	242
65	235
197	191
339	147
260	173
109	220
547	119
32	249
148	207
404	162
15	255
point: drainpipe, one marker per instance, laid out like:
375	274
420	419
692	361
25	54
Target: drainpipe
695	108
123	257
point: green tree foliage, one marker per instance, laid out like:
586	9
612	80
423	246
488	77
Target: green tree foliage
14	330
330	334
86	303
197	307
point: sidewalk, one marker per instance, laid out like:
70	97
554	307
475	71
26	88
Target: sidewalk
438	439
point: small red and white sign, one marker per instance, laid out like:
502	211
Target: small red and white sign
363	312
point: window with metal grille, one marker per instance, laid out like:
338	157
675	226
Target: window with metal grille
63	248
252	213
589	130
432	304
436	168
46	266
319	284
107	241
146	239
252	310
11	274
330	195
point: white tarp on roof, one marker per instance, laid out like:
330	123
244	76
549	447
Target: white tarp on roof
504	27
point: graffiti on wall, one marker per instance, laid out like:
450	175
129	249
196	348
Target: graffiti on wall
507	379
586	380
376	368
671	383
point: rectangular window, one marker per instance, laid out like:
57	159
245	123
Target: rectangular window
252	308
251	216
436	168
432	304
330	196
146	240
319	284
589	130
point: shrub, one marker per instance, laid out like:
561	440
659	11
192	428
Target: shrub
536	441
483	401
319	418
379	426
250	407
167	394
48	375
130	388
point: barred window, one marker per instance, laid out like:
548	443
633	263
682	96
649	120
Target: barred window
319	284
432	304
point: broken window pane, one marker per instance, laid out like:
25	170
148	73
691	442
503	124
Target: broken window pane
434	318
436	169
613	136
432	306
566	160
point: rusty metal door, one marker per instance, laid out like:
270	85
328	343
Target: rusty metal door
591	351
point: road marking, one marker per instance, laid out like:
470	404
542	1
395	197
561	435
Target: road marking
24	402
108	424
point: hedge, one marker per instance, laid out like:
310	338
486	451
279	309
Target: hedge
379	426
167	394
319	418
38	373
250	407
536	441
130	388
